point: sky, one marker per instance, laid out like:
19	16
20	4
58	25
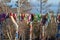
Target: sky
36	4
55	2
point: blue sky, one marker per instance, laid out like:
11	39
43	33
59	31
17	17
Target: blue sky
36	4
55	2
